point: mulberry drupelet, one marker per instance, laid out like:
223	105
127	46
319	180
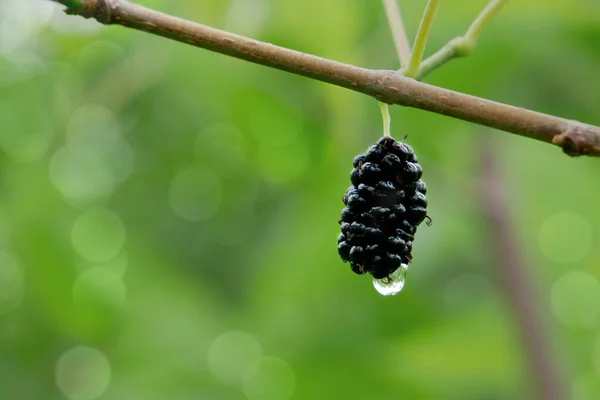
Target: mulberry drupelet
384	206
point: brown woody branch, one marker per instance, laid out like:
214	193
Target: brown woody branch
516	281
574	137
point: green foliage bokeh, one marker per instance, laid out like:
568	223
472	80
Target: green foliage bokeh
168	216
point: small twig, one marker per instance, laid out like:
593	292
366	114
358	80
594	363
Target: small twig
453	49
463	45
515	281
390	87
484	18
412	71
394	17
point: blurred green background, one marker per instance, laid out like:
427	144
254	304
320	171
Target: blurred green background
168	216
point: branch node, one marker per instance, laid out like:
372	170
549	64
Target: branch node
463	46
575	140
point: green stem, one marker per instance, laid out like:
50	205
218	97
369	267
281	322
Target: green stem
71	4
462	46
421	40
394	17
440	57
484	18
385	114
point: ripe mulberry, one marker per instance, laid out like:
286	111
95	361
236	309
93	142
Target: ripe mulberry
384	206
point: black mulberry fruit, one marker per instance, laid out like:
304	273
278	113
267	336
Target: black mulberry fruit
384	206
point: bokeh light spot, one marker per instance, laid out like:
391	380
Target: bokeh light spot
99	286
576	298
12	283
231	354
565	237
98	235
195	194
94	129
269	379
83	373
96	157
79	176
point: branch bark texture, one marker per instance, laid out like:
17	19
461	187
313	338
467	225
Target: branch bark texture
388	86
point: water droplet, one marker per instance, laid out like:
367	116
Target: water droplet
392	284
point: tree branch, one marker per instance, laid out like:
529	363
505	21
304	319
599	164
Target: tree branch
463	45
421	40
516	282
573	137
394	17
